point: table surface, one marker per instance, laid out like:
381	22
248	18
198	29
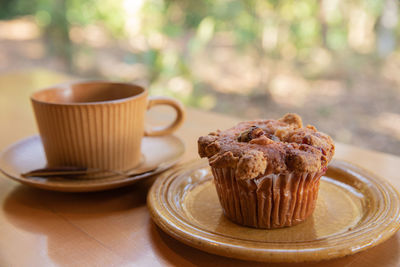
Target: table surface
39	228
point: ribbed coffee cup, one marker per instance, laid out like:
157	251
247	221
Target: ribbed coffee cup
96	124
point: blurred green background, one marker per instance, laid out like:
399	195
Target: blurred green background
335	62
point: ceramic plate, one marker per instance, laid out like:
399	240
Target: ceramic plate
159	154
355	211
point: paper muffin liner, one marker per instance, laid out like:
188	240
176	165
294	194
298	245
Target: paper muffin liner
271	201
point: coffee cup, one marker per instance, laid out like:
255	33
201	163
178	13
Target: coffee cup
97	124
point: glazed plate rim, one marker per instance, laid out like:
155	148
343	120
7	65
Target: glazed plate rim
380	227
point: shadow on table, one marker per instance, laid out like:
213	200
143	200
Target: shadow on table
177	253
67	219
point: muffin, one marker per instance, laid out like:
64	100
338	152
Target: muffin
267	172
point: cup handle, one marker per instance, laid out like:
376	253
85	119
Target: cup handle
180	115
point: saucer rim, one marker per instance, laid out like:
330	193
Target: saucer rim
101	184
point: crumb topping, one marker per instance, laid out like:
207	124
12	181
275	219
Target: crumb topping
262	147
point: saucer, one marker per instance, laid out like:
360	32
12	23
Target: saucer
159	154
355	211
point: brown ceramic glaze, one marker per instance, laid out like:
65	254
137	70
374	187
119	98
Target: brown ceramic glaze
97	124
159	154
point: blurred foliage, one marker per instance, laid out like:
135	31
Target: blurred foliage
296	30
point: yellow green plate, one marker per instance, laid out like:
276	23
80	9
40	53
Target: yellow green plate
355	211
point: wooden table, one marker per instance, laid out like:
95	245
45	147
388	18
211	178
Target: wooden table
113	228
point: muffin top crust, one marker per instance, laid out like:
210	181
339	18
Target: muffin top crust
262	147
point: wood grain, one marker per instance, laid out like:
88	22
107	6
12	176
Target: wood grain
40	228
